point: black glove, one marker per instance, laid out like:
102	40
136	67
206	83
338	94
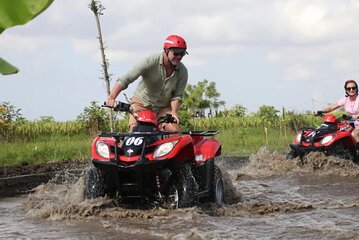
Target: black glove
319	113
346	117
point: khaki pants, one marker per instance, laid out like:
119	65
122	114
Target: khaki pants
137	106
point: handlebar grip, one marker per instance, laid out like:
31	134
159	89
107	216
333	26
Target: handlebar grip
104	104
347	117
167	119
319	113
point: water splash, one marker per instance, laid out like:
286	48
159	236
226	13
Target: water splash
265	163
63	198
263	208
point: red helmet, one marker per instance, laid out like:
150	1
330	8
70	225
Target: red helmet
174	41
147	116
329	118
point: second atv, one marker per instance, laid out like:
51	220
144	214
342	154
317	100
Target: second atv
332	137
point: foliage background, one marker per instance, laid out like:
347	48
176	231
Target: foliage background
241	133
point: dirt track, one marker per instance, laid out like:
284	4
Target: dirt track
27	169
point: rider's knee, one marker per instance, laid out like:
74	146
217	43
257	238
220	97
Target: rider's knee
171	127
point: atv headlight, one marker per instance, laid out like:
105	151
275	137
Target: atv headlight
298	137
326	139
164	149
102	149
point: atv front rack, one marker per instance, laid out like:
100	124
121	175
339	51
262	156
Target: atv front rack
119	135
204	133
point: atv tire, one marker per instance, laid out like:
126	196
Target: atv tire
187	188
340	150
94	183
292	154
217	191
171	197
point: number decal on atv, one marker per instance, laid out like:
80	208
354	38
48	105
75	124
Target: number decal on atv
133	140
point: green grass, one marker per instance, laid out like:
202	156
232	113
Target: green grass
235	141
46	149
247	141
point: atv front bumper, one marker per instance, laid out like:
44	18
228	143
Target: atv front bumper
140	180
142	164
301	150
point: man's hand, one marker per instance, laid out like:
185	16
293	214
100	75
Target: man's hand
175	116
111	102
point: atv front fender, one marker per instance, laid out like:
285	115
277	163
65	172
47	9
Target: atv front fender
208	148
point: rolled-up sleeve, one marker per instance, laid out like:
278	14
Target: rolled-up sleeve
178	93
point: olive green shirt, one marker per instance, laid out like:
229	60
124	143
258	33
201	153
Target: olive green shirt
154	89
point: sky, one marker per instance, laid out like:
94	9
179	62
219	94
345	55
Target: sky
292	54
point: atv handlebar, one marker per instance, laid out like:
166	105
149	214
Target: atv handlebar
119	107
345	117
125	107
166	119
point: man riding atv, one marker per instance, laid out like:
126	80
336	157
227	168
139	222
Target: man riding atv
163	81
154	162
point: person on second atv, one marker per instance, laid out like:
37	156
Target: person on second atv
351	106
163	81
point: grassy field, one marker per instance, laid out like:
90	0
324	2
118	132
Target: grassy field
245	142
42	149
46	149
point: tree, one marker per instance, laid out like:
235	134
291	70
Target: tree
10	113
200	97
97	8
10	116
2	109
237	111
268	114
94	117
47	119
193	99
17	13
212	95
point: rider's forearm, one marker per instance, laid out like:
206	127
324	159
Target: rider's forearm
330	108
175	106
114	92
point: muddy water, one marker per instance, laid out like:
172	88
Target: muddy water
274	199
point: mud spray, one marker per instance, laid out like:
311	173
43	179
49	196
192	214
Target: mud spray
267	184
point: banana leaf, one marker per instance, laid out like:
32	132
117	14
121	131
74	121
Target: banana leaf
18	12
6	68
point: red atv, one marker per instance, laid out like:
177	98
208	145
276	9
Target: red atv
149	165
333	137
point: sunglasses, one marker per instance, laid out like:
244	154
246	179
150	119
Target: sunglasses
351	88
181	54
